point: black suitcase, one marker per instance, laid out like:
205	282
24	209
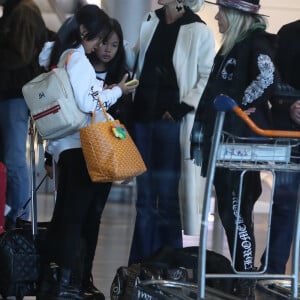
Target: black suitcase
19	263
20	248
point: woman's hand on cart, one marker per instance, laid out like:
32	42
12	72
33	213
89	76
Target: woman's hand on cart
250	110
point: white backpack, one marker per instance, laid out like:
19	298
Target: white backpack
51	102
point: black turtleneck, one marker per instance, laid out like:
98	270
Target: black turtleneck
158	91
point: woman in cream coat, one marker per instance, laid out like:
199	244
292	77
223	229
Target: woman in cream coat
176	51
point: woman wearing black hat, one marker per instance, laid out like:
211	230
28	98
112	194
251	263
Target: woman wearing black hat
244	70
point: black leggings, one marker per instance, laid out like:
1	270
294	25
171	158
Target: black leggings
77	213
227	190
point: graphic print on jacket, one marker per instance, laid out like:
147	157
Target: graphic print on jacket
264	79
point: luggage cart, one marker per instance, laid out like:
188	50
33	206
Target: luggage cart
270	152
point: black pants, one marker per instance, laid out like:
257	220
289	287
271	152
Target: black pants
77	213
227	190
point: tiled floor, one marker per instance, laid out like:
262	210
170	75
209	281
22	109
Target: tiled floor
117	226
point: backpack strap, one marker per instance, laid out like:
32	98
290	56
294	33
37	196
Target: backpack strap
69	56
65	58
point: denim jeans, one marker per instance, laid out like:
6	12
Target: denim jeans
13	137
158	221
283	219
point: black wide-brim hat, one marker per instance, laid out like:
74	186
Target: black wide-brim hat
247	6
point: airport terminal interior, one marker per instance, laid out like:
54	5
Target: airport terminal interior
117	228
119	214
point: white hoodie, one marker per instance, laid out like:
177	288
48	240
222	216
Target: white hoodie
87	88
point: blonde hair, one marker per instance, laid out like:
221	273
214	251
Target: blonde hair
239	23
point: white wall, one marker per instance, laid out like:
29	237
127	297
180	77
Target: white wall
129	13
279	12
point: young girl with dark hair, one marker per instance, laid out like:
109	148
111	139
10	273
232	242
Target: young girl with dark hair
80	202
109	63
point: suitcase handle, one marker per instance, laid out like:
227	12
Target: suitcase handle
29	199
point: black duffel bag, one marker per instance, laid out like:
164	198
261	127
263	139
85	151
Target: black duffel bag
171	264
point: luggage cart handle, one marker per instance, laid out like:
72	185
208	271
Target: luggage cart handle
225	103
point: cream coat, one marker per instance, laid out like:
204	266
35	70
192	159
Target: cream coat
193	58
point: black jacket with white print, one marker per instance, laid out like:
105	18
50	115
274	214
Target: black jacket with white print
246	74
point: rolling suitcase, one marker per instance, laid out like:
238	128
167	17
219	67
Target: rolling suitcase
20	249
19	263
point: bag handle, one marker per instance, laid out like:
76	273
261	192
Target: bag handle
103	109
117	130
